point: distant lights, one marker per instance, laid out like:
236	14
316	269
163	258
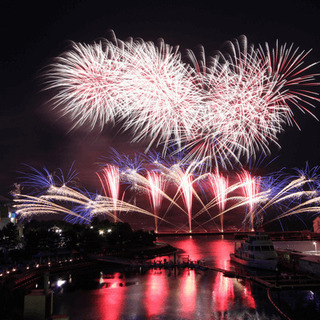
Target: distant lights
60	282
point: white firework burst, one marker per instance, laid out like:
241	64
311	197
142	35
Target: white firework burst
164	100
89	80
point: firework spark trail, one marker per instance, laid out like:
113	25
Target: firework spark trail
140	183
87	205
278	189
135	162
48	187
251	189
289	191
304	184
287	66
40	181
294	192
247	100
300	208
163	97
105	204
219	186
110	181
187	192
311	174
184	176
176	174
240	116
240	202
233	96
68	196
157	186
84	209
99	205
214	201
90	80
237	119
28	206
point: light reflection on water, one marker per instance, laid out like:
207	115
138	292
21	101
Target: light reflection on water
156	294
171	294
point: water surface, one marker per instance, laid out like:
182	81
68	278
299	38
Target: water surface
179	293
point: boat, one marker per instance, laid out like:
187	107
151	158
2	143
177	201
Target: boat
256	251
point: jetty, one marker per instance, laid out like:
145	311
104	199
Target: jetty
183	262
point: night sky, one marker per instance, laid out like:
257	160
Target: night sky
32	34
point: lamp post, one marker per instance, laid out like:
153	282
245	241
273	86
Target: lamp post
315	247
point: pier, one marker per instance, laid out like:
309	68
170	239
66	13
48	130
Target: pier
153	264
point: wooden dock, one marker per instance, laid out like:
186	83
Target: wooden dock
155	264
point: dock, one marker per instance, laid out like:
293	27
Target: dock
154	264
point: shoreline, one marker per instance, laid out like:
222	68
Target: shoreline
20	278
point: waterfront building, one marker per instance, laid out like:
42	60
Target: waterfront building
316	225
7	213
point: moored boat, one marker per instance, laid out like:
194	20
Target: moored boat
257	251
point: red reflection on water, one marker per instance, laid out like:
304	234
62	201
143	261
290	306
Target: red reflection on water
221	250
111	305
247	296
223	292
188	291
223	289
189	246
156	292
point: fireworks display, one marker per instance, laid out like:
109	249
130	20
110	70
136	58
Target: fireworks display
92	78
225	110
207	114
219	185
254	198
110	181
250	190
156	190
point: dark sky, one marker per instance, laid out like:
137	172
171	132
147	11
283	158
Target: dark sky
33	33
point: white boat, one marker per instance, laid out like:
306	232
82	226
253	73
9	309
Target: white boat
257	251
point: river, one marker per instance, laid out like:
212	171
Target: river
183	294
